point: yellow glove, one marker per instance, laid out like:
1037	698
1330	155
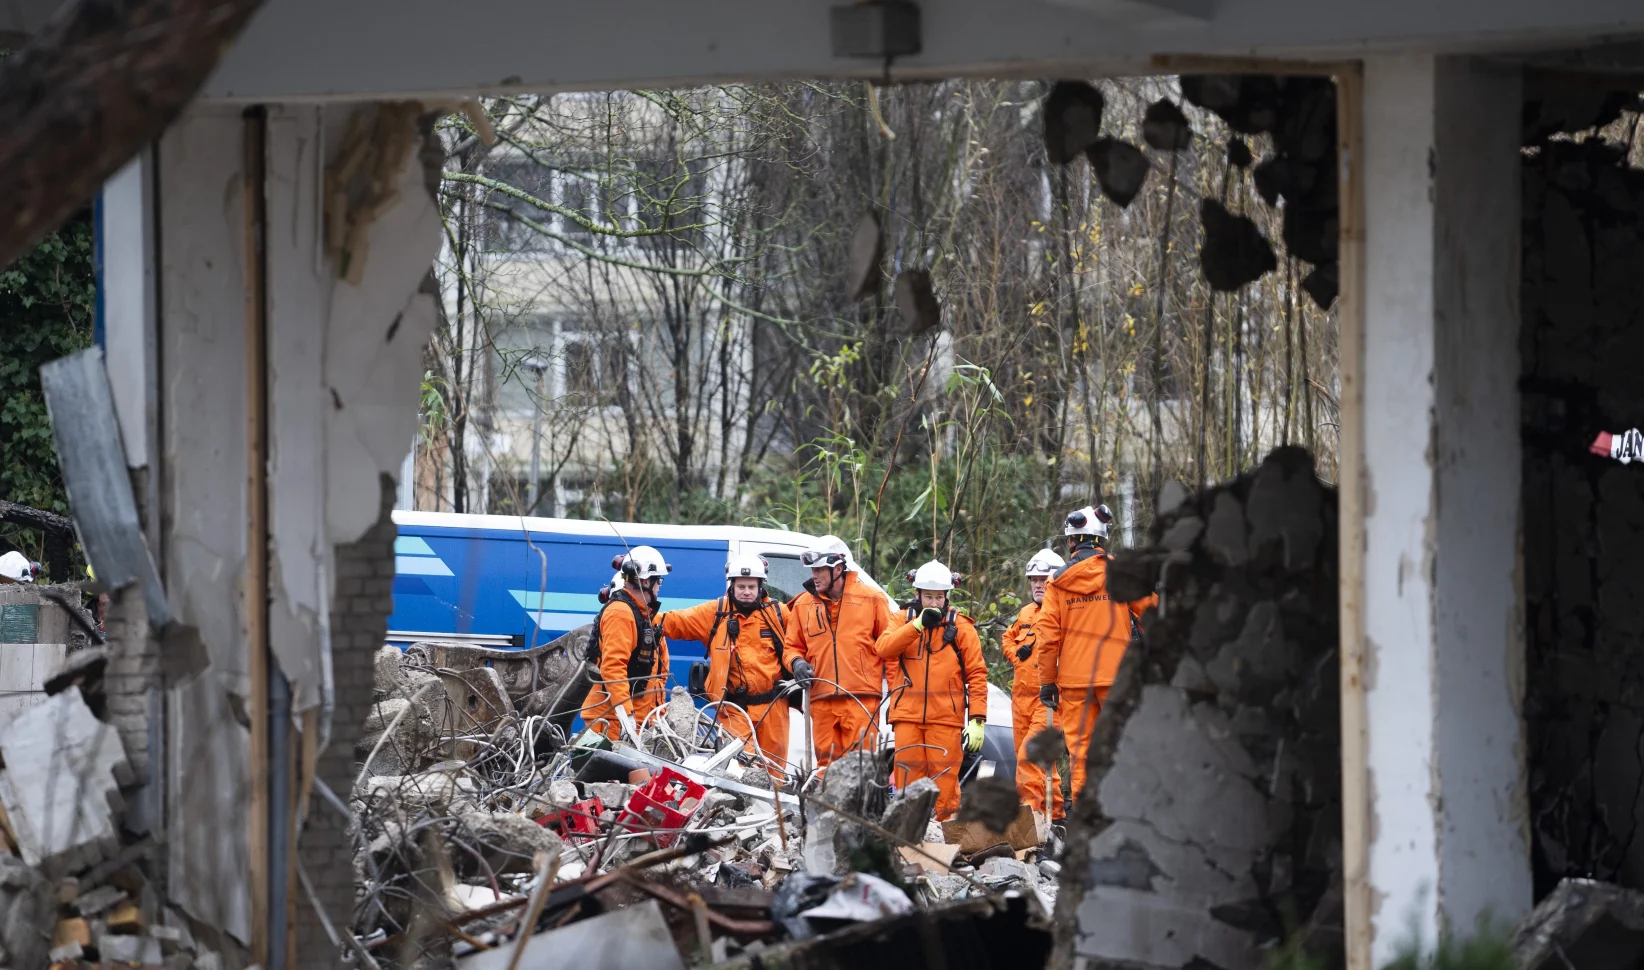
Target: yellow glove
974	732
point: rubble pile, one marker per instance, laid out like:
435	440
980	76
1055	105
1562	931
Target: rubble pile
481	828
76	888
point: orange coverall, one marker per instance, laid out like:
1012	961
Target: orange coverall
836	637
618	636
931	686
1080	636
1029	715
743	670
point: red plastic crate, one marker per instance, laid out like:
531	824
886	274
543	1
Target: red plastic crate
581	819
663	806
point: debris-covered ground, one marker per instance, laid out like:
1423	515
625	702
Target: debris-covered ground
477	814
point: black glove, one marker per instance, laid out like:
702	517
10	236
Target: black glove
1049	696
928	617
1024	651
802	674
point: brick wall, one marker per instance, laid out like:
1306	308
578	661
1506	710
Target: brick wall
363	598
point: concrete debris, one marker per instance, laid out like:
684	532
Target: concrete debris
910	812
1007	873
414	734
1214	792
993	802
59	785
506	842
27	901
634	938
1583	923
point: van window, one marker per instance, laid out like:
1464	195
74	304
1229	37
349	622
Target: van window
787	578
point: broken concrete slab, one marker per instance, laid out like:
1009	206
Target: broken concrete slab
408	749
1583	923
632	938
59	784
910	811
1214	772
508	843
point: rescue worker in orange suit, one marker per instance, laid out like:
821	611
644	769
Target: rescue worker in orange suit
1081	635
629	650
832	627
743	631
1028	714
939	687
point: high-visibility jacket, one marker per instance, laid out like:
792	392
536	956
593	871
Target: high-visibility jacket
1020	632
744	651
836	637
935	674
620	665
1080	635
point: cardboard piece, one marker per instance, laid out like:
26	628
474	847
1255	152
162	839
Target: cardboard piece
942	851
973	837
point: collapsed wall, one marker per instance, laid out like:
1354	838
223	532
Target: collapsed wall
1583	515
1210	828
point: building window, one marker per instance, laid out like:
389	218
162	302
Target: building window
505	217
596	366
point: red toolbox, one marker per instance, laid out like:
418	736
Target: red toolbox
663	806
581	819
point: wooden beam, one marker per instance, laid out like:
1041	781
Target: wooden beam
1350	316
254	597
93	87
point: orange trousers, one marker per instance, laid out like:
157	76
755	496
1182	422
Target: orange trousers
601	714
1029	716
1076	716
770	722
931	751
839	725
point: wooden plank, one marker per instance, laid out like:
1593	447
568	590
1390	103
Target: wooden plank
1355	743
255	592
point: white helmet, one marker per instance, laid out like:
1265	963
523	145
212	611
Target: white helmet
14	567
746	565
1044	563
933	576
643	562
1088	521
828	551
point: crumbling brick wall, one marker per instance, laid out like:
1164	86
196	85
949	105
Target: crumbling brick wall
1210	828
361	603
1583	515
134	684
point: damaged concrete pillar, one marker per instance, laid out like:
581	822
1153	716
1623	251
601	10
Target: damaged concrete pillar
1210	824
1435	804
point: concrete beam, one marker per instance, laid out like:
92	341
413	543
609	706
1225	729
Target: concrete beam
1443	773
314	49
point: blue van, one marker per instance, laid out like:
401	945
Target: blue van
507	582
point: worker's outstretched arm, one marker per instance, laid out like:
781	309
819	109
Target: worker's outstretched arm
794	644
1143	605
902	638
691	623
